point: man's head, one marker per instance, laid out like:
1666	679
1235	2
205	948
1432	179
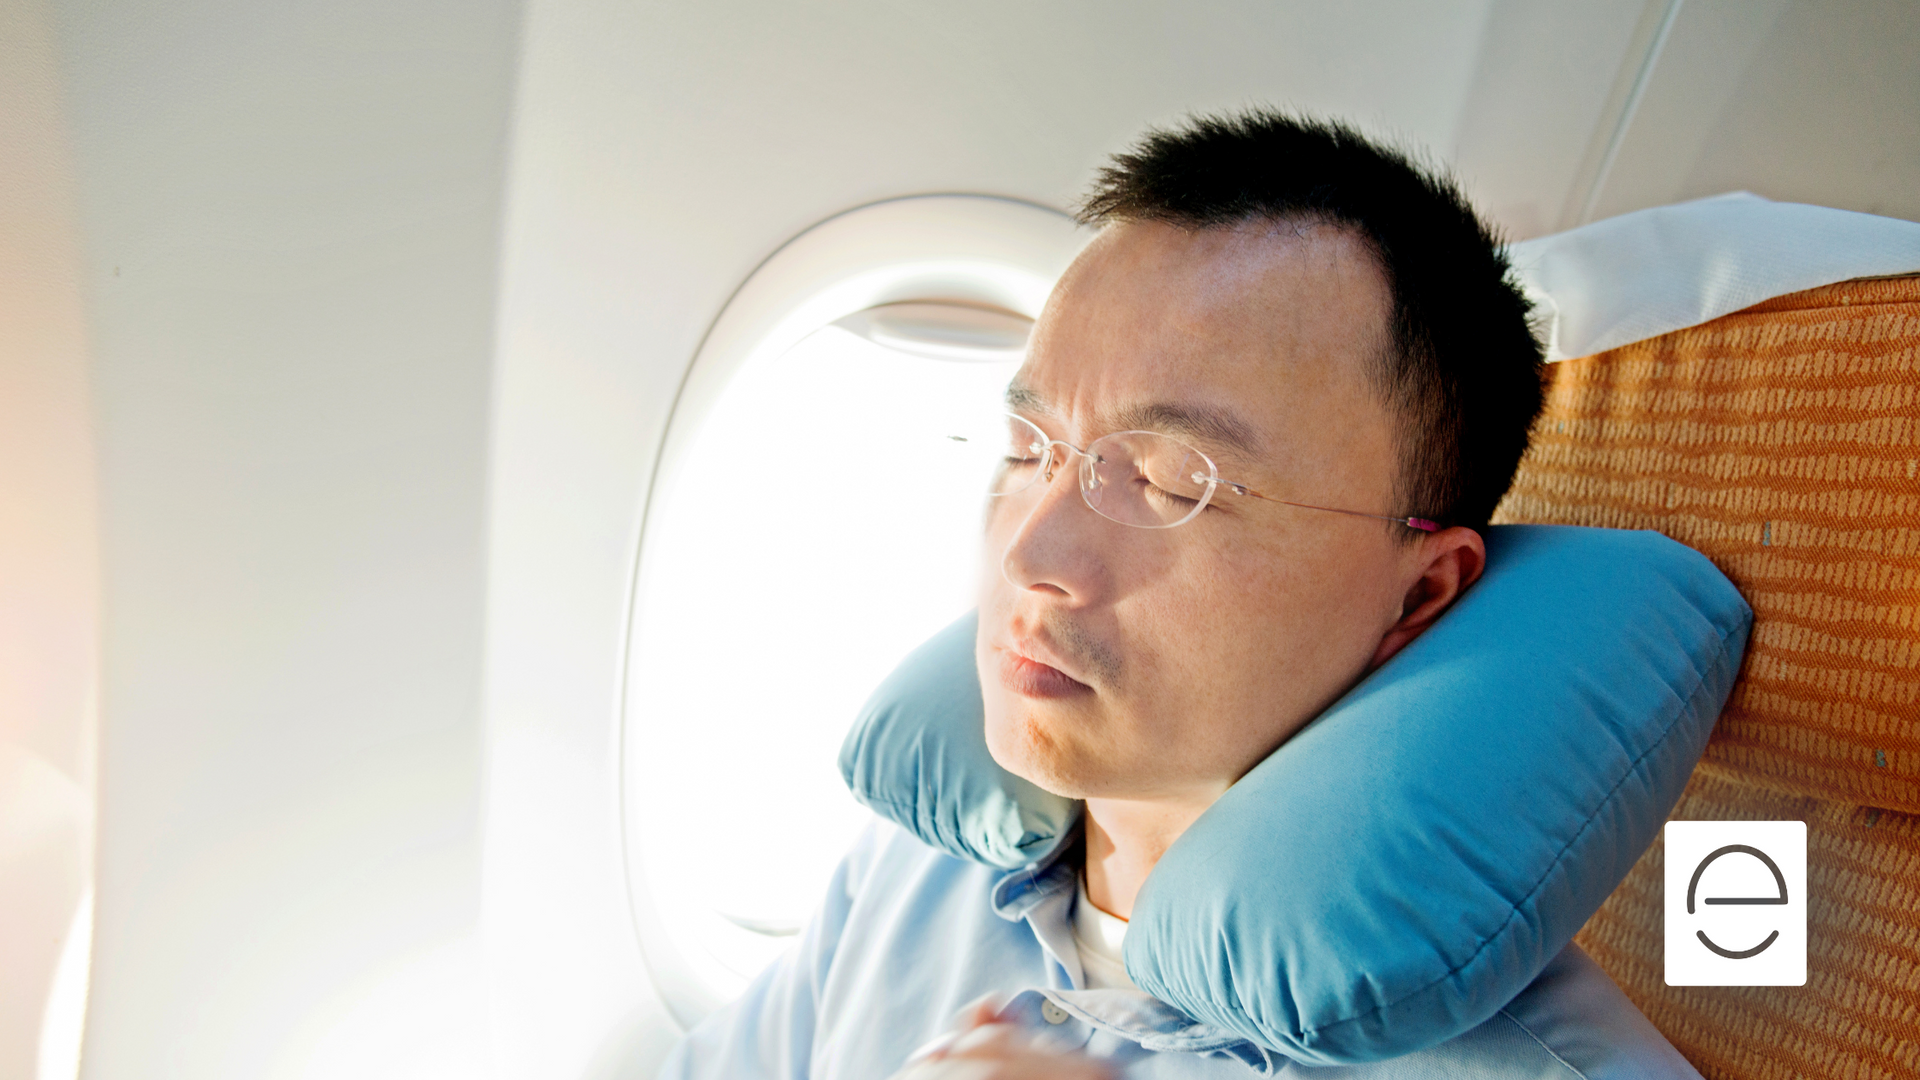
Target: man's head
1332	326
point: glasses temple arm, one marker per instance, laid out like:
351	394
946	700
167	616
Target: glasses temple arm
1420	523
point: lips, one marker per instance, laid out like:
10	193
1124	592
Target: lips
1031	678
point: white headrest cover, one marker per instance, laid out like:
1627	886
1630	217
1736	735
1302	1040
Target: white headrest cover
1652	272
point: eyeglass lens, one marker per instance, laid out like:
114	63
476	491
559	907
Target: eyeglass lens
1134	477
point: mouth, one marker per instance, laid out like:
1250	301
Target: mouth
1033	679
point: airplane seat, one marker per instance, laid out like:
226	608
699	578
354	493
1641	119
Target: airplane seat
1782	441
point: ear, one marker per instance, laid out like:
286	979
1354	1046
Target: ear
1446	563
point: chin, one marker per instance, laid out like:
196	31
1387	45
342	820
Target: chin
1028	746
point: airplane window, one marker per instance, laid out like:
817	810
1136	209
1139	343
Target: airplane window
818	527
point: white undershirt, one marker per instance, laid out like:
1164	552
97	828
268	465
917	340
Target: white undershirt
1099	937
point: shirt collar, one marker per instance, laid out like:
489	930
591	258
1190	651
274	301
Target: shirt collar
1041	895
1018	892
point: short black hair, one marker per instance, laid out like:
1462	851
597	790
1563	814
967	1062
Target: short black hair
1463	373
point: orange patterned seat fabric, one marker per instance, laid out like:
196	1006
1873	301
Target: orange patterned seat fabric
1783	442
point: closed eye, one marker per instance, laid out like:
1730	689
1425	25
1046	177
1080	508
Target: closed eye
1156	492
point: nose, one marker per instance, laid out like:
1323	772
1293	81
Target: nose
1055	543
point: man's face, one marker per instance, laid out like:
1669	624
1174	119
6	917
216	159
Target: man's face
1130	663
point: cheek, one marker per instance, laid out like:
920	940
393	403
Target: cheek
1184	620
1270	634
992	587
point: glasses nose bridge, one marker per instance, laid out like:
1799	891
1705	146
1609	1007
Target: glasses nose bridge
1056	460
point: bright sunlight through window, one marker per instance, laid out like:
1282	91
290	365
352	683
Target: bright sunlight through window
819	529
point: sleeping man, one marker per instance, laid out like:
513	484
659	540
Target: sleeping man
1264	414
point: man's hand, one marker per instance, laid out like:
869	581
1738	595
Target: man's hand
983	1049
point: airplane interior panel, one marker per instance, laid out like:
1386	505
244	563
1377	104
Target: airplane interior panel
487	490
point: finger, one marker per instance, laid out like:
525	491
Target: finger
988	1040
1036	1065
950	1069
1024	1062
935	1048
984	1009
981	1010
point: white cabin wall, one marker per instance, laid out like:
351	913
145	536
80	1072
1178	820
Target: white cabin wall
1550	77
291	215
1800	100
49	553
1813	101
1695	80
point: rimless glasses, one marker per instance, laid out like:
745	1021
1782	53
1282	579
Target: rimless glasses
1138	478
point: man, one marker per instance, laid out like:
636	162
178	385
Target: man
1262	416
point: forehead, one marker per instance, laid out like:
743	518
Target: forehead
1256	328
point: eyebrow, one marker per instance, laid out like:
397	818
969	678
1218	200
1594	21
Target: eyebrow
1203	423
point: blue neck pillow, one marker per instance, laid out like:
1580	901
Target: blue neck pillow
1397	871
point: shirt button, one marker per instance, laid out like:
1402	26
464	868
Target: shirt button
1052	1014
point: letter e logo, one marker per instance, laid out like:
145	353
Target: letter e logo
1736	903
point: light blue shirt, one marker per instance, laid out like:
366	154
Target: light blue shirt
909	935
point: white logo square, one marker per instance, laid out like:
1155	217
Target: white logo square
1736	903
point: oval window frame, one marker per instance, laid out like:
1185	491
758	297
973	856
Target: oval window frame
973	249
